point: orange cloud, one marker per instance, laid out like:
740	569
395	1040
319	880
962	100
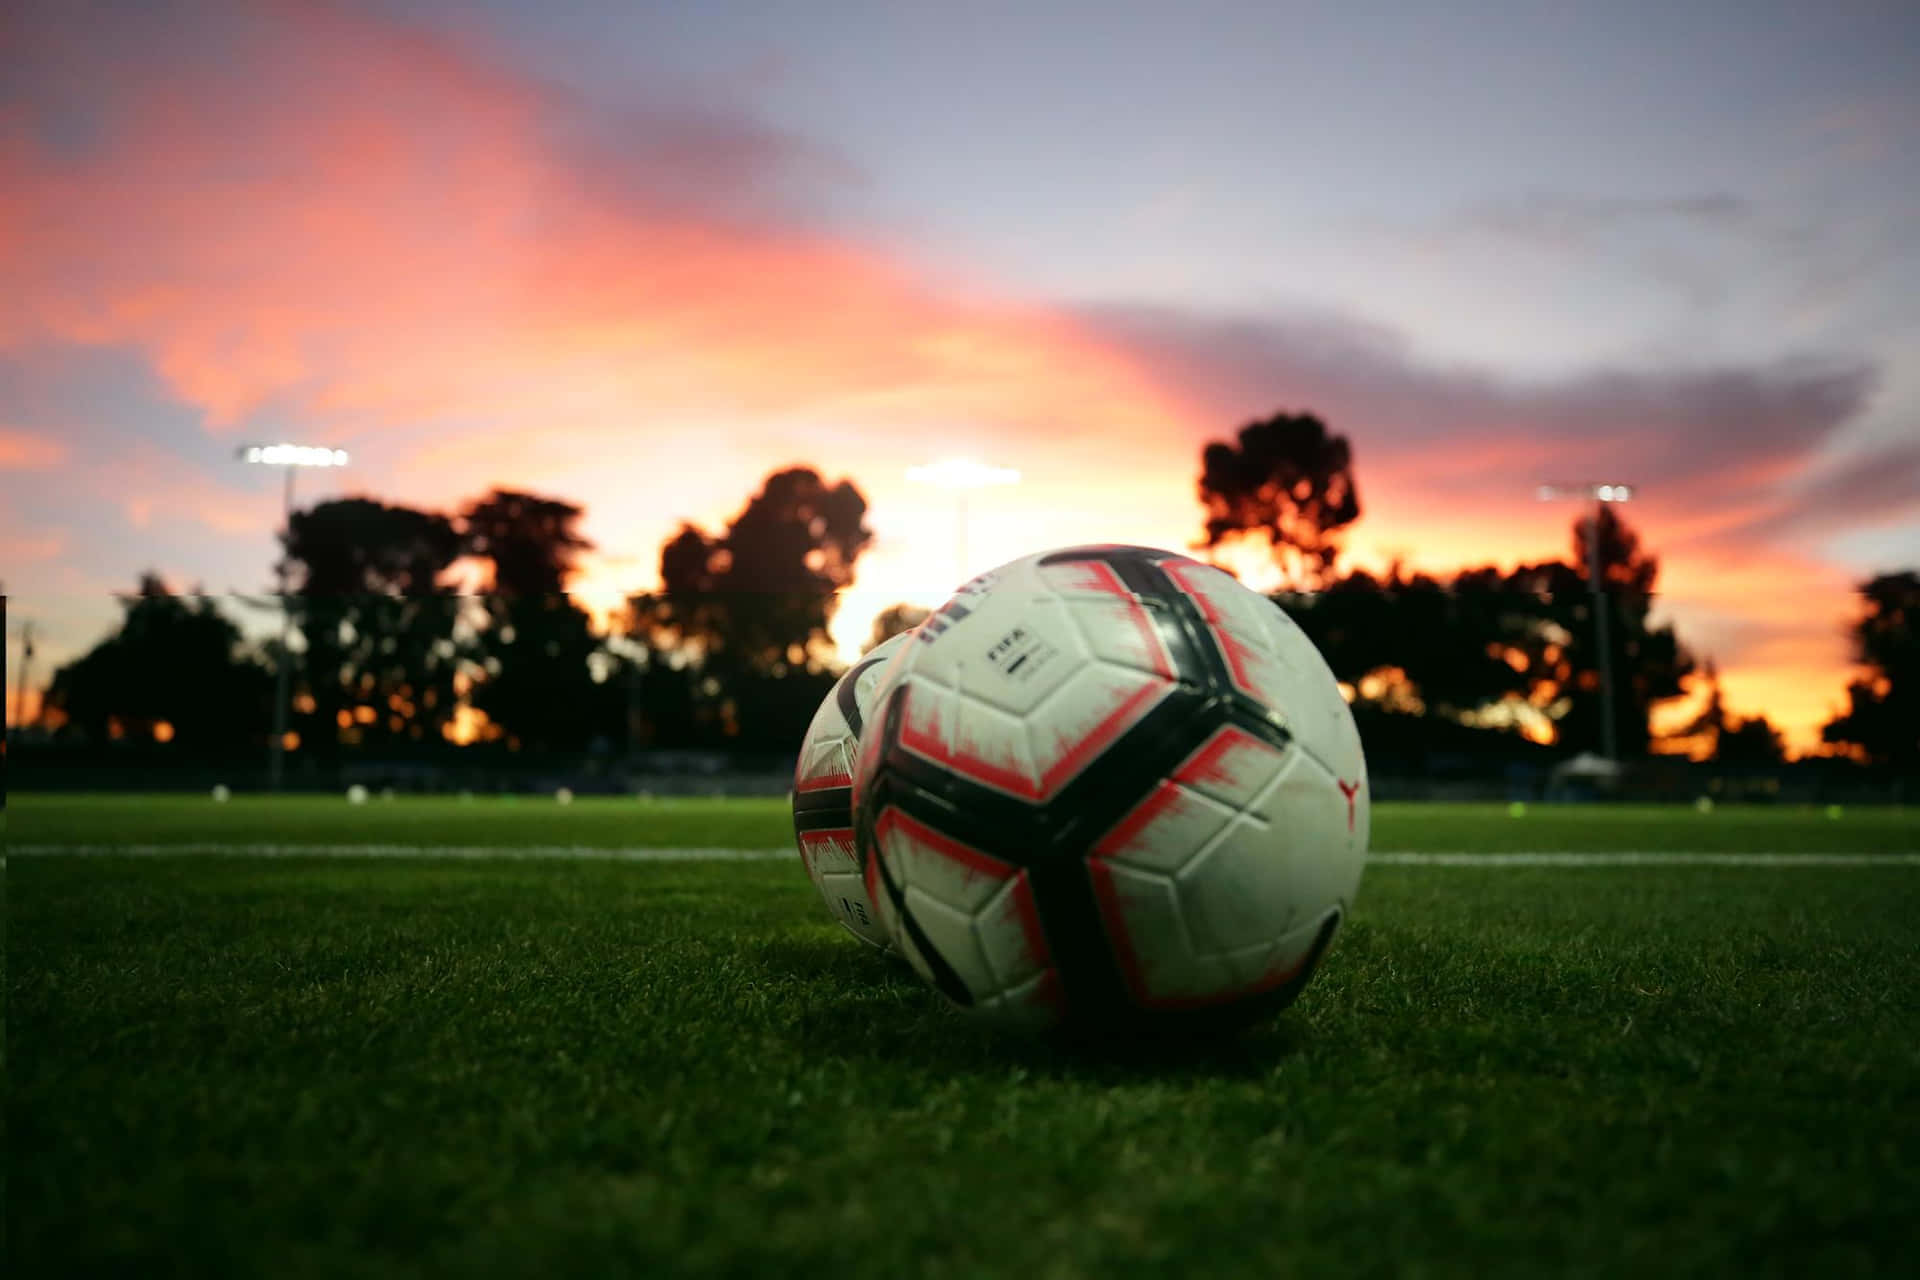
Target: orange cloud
396	240
26	548
26	451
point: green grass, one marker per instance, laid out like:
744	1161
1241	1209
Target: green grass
324	1067
765	824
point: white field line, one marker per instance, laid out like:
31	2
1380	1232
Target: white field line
1645	859
474	852
588	853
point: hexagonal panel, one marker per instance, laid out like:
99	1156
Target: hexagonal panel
829	852
976	911
1239	892
1164	831
950	932
1116	627
1162	966
1015	663
958	875
1010	936
834	866
1209	928
823	763
1086	717
1080	578
1123	632
974	740
1232	766
1239	623
1316	713
1143	923
1325	827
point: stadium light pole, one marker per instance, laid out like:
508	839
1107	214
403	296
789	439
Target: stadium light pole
959	476
1601	495
19	722
289	458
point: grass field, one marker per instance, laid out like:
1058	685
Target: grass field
314	1065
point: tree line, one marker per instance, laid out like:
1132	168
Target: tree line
731	651
416	628
1518	649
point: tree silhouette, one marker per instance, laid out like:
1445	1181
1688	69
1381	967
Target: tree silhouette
1883	713
1625	567
1648	662
1444	637
173	671
1750	741
750	608
538	647
1729	739
1288	479
894	620
531	541
382	647
760	597
360	546
1547	632
1486	637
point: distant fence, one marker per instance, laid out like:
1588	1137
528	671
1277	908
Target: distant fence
60	767
1438	776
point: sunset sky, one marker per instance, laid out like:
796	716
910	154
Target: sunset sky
637	256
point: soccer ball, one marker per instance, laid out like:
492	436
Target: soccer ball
356	794
822	787
1110	788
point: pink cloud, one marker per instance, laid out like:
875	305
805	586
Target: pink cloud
22	450
396	234
16	549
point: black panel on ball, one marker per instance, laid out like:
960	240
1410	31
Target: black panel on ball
825	809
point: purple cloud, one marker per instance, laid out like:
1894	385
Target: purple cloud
1706	437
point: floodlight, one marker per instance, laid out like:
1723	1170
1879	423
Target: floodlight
958	476
1600	494
291	457
962	473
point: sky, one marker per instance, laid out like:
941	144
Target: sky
637	256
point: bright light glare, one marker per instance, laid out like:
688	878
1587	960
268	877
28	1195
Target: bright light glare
294	455
962	473
1604	492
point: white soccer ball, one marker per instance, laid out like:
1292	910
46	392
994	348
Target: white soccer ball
1111	788
564	795
220	793
356	794
822	787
